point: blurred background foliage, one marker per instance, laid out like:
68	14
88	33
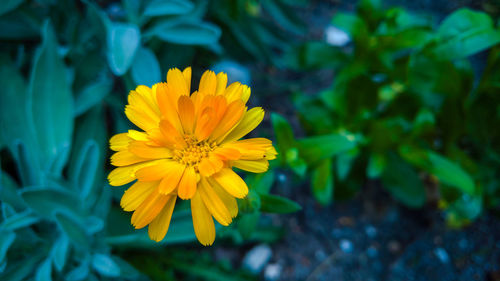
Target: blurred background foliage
407	106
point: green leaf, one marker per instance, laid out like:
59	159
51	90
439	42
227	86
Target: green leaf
403	182
123	40
9	191
59	252
19	220
376	165
322	182
44	271
72	227
105	265
284	134
247	223
351	24
52	103
344	163
145	68
9	5
277	204
92	94
261	183
45	201
83	170
6	239
87	159
19	25
464	210
168	7
283	15
185	32
450	173
79	273
16	125
314	149
464	33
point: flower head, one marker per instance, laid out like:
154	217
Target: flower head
187	148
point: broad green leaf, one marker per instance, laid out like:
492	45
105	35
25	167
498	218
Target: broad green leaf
314	149
278	204
322	182
51	103
450	173
123	40
261	183
9	5
376	165
403	182
464	33
105	265
185	32
59	252
145	69
344	163
92	95
19	220
284	135
351	24
247	223
168	8
6	239
295	162
72	227
44	271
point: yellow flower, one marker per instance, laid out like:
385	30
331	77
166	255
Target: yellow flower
187	149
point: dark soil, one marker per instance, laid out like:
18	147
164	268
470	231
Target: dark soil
372	237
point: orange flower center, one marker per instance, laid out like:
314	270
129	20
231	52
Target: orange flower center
194	152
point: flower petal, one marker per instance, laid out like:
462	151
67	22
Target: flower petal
221	83
203	223
167	102
156	171
125	158
231	117
119	142
187	185
141	149
208	83
186	113
187	76
250	121
171	178
176	82
254	166
210	165
136	194
227	153
149	209
159	226
253	149
231	182
214	204
124	175
228	200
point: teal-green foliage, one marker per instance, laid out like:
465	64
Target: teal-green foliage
66	68
407	105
